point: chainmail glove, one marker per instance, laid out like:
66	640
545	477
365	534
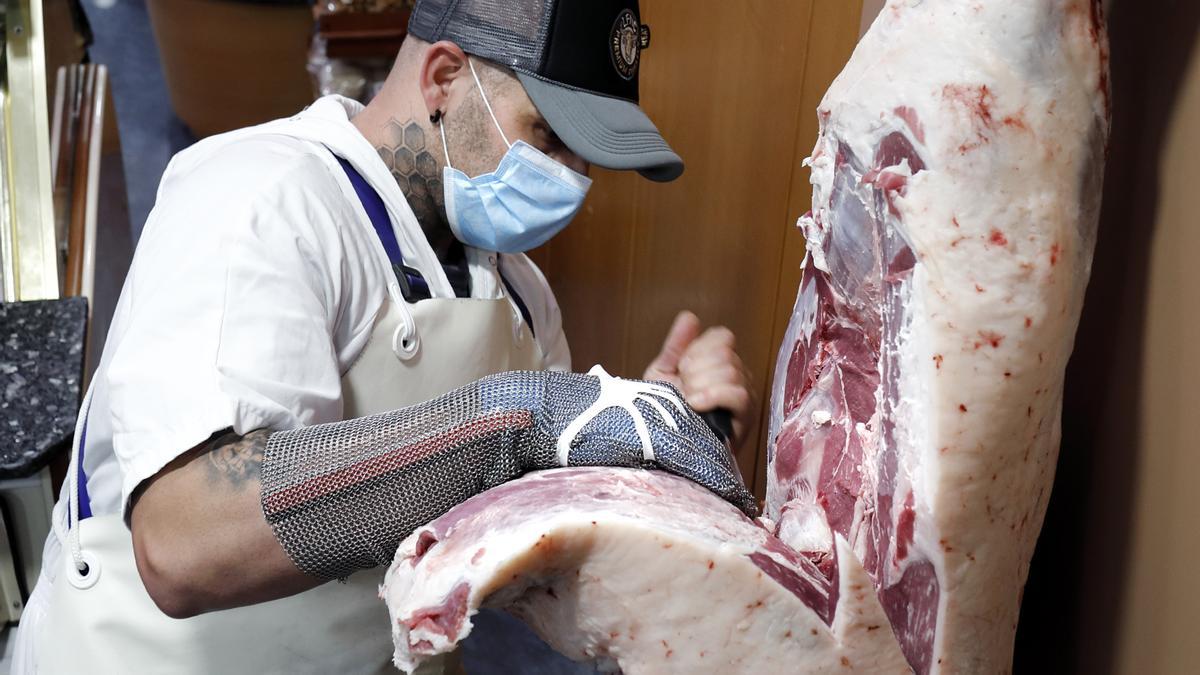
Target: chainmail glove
601	420
341	497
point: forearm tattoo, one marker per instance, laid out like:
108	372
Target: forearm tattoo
408	151
234	460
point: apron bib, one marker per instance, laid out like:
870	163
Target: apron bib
109	624
105	622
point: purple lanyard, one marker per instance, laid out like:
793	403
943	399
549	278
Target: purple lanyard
85	502
377	213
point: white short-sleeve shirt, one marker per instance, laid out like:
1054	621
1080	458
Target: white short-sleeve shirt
254	287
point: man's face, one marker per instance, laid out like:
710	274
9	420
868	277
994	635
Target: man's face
476	146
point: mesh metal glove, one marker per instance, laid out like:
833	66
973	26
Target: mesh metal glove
340	497
600	420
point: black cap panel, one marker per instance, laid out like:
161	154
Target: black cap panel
595	45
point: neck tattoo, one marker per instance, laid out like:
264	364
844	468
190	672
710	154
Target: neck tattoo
406	151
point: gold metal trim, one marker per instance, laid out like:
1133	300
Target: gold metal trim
29	230
8	268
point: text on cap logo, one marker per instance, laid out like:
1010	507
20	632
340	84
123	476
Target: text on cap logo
628	38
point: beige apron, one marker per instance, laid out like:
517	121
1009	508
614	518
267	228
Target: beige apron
107	623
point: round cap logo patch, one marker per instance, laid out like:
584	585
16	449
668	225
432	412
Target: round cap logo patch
625	43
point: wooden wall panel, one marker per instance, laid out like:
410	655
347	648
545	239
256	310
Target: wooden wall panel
833	35
588	266
723	85
733	86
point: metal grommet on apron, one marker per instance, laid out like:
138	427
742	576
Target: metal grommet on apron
415	353
87	576
405	339
83	568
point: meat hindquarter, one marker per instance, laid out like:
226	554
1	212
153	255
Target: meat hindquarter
916	402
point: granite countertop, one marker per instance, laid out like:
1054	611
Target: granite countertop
41	365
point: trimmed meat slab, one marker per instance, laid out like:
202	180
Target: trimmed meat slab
915	415
636	568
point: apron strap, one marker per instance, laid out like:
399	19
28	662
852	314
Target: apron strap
376	211
520	303
85	502
412	285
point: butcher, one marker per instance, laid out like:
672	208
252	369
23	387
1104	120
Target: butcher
330	335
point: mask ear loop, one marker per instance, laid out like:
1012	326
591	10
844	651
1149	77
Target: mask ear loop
486	104
442	128
436	118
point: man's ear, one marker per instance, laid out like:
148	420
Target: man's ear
444	62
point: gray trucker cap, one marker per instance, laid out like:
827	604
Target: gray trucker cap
578	61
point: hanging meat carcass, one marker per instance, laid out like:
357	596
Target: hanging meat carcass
915	411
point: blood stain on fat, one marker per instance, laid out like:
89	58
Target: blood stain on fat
992	338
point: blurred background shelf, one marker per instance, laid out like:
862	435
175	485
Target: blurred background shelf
230	64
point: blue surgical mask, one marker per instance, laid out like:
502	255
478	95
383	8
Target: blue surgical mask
528	199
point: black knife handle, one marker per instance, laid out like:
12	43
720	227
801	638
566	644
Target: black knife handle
720	421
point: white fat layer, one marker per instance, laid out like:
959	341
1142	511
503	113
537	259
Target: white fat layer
918	420
619	581
804	529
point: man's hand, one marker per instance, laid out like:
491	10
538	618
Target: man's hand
707	369
601	420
